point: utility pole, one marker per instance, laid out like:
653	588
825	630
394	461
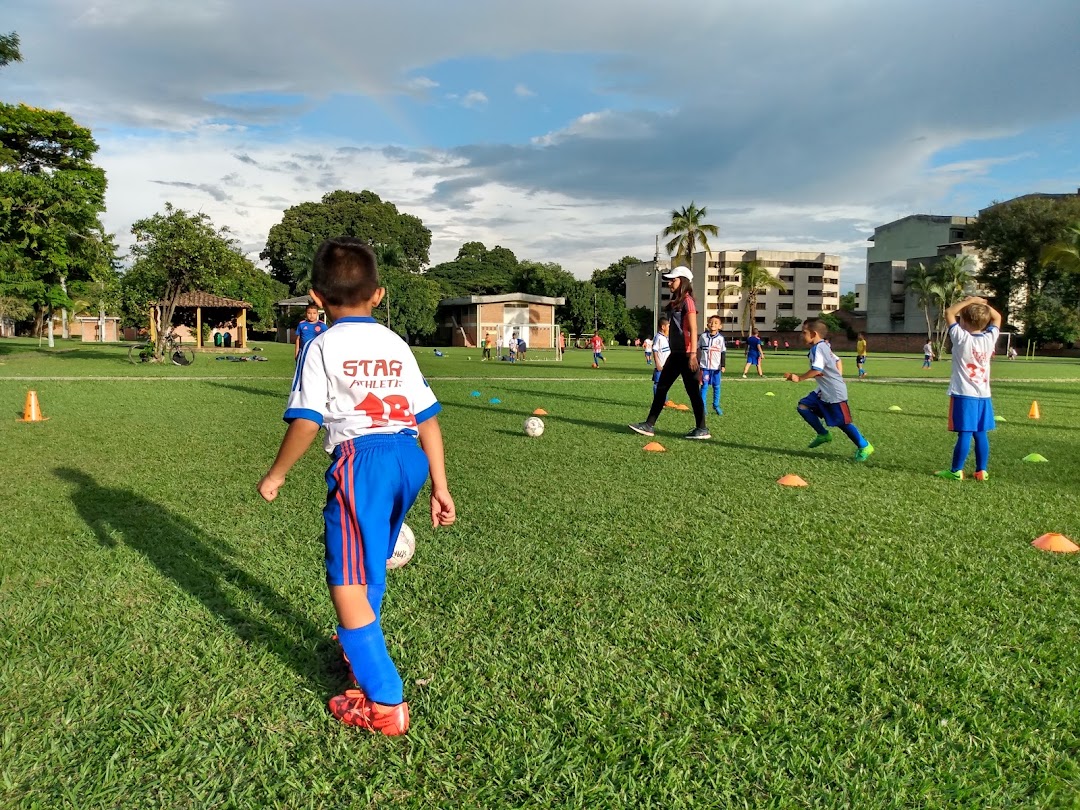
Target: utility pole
656	287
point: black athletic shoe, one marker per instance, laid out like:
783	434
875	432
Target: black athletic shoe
644	428
698	433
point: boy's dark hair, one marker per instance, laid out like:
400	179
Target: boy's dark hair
817	326
313	306
713	318
661	321
344	272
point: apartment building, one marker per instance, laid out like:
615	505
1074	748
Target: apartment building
811	286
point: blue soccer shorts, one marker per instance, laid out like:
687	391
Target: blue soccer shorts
835	414
371	484
970	414
710	376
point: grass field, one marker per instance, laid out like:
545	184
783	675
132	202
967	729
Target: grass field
603	627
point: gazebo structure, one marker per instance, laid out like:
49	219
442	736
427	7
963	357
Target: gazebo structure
216	309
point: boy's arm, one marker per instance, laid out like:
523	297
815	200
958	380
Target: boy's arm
952	312
298	439
442	505
806	375
297	344
995	317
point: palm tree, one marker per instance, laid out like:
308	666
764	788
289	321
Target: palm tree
688	230
1065	255
938	288
920	282
754	280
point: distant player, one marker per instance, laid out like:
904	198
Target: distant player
661	349
308	329
974	327
597	350
512	347
927	354
361	383
829	400
712	356
860	355
648	347
754	352
522	348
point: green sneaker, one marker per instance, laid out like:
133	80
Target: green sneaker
863	453
949	475
820	439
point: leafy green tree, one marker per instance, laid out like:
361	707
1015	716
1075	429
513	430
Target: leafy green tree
688	231
754	280
177	252
476	271
1012	238
613	277
787	323
291	244
9	49
847	302
1064	254
51	196
946	282
640	322
835	325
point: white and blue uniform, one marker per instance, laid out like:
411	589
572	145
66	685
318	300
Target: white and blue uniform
308	331
661	347
712	356
829	399
361	383
970	407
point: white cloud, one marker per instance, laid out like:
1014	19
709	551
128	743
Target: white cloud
474	99
522	91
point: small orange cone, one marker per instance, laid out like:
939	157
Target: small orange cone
1033	411
671	404
1055	542
791	481
654	447
681	407
540	412
32	409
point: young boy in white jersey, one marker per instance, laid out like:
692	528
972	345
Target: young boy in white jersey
712	357
661	348
829	400
927	354
974	327
647	346
360	381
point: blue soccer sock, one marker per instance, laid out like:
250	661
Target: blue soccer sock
812	420
376	674
852	433
982	450
375	596
961	450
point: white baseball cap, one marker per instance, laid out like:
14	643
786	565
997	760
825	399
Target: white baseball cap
680	272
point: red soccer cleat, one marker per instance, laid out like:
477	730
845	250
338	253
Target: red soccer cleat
345	658
354	709
982	475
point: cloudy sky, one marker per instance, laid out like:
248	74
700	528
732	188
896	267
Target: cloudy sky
567	131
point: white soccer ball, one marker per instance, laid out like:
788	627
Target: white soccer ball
404	548
534	426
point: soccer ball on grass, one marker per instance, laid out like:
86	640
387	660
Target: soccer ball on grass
534	426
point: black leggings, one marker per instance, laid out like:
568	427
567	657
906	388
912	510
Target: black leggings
676	365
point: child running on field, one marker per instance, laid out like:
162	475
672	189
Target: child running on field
860	355
829	400
360	381
683	361
648	347
927	354
974	326
713	358
597	350
754	353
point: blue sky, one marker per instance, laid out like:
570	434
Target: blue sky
567	131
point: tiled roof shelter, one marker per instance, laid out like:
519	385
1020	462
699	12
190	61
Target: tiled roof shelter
232	308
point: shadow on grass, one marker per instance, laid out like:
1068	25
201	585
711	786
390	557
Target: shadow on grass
181	551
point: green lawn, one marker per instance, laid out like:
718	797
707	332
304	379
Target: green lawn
603	627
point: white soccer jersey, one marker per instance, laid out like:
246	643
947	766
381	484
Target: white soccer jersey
830	385
647	345
711	349
358	378
661	348
971	361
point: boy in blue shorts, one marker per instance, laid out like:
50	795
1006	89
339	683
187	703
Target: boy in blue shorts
754	353
829	400
712	357
974	327
360	381
308	329
661	348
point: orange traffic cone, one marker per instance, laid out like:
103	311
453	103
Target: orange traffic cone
32	409
654	447
1055	542
540	412
791	481
1033	411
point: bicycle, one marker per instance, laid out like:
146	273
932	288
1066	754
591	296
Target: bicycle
177	354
